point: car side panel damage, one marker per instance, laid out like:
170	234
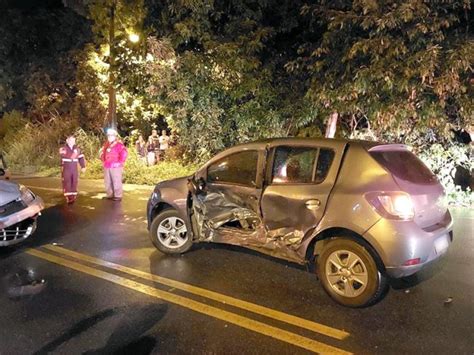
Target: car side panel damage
223	217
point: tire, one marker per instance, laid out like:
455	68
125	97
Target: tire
349	273
178	240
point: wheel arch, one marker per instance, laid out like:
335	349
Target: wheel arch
318	241
160	207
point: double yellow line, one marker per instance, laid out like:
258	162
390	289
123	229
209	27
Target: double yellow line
59	254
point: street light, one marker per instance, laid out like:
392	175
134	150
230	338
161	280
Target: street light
133	37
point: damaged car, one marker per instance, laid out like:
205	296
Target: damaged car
19	210
360	212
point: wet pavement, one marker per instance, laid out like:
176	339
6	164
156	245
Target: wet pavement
90	281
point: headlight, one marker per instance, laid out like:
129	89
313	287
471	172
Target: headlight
26	195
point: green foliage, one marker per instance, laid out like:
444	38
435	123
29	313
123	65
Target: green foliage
401	65
32	147
11	123
226	82
126	60
136	172
443	161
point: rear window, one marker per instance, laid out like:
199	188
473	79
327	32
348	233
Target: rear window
405	165
298	165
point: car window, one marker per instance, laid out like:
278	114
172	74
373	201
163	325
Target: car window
293	165
324	163
239	168
405	165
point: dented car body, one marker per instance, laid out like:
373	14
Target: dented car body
293	198
19	209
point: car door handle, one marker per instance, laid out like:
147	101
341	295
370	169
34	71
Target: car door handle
313	204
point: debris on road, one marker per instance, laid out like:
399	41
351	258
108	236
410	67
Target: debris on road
448	300
23	283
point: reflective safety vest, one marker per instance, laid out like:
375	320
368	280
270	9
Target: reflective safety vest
71	156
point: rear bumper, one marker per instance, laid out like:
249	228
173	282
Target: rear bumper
400	241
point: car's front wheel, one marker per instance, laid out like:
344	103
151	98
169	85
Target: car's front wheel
170	233
349	273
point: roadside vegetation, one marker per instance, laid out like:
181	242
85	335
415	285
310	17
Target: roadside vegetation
217	73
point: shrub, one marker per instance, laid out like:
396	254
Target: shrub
136	171
34	147
10	124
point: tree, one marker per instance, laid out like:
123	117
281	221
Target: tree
398	66
228	81
113	21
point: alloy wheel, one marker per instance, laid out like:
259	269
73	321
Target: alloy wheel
346	273
172	232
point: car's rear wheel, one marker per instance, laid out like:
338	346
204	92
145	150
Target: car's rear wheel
170	234
349	273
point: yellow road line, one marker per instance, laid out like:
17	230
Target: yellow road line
241	321
267	312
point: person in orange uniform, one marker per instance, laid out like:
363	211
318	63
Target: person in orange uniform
71	156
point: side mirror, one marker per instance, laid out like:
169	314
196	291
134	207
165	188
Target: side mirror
201	184
2	172
197	185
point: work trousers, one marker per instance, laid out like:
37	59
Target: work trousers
70	177
113	182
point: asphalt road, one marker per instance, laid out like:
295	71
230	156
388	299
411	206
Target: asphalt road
90	281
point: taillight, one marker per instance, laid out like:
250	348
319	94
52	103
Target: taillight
394	205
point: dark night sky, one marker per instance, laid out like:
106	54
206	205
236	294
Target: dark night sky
31	4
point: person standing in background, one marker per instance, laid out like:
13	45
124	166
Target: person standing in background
113	155
151	152
71	156
164	143
140	147
156	143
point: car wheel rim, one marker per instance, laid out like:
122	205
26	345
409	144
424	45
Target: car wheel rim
172	232
346	273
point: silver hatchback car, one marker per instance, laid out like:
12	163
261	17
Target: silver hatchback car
359	211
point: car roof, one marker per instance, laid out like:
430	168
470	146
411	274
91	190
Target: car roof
300	140
332	143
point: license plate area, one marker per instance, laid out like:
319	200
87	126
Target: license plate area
441	244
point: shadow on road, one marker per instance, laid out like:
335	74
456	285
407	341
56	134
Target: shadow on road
425	274
127	337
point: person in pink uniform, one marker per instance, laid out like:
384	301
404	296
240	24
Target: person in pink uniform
113	155
71	157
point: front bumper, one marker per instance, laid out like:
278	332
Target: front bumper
18	226
400	241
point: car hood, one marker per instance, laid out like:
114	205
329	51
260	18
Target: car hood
9	191
173	183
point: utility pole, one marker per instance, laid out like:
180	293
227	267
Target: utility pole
111	120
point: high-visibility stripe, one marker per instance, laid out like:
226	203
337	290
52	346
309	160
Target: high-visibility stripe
81	156
69	160
70	193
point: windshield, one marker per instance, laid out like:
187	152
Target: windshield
405	165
